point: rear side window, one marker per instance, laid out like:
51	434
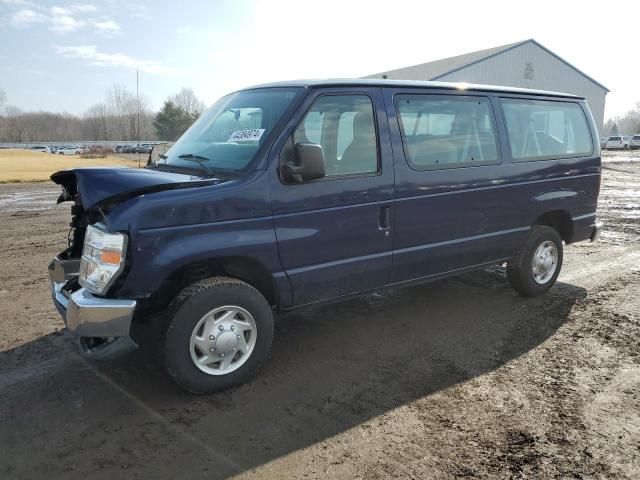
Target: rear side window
440	131
541	130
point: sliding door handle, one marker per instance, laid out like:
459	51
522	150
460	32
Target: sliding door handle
384	220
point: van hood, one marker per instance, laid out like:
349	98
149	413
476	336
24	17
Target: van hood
99	186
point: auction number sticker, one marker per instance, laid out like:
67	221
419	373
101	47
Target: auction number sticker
251	135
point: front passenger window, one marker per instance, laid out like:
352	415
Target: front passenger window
344	126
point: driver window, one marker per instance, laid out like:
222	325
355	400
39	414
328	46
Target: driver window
344	126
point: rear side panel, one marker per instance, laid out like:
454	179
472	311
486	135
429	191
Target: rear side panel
456	218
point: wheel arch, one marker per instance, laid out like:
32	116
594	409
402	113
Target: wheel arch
560	220
245	268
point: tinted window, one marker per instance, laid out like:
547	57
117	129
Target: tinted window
540	129
344	125
614	139
441	131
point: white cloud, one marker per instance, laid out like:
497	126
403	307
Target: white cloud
107	26
25	17
60	19
16	3
82	8
93	57
138	11
73	8
63	19
61	23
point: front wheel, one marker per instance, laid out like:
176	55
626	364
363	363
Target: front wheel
220	332
535	268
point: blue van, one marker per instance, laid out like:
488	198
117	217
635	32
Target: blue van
291	194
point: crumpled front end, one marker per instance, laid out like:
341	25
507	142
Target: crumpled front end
102	323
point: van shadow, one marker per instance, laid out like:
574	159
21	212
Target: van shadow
331	369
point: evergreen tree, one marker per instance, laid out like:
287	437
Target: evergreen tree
614	129
171	122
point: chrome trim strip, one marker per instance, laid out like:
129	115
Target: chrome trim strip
461	240
582	217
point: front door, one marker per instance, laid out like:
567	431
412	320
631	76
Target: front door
334	234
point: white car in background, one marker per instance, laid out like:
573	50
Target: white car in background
617	142
70	151
39	149
635	142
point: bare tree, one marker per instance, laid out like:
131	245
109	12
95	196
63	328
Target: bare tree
627	124
15	128
3	100
96	122
187	100
123	108
118	102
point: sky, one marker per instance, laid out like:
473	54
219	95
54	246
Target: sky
63	55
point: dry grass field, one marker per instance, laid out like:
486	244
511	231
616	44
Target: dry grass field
27	166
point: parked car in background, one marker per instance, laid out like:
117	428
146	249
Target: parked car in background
119	148
40	149
617	142
338	188
144	148
603	143
69	151
634	144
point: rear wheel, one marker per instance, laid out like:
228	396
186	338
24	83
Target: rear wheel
220	332
535	268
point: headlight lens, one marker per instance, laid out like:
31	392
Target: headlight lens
102	260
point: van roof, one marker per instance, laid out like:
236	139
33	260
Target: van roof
351	82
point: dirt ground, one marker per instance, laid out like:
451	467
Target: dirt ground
458	378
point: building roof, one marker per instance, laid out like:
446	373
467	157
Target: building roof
439	68
377	82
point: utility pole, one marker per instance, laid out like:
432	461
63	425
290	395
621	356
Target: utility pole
138	106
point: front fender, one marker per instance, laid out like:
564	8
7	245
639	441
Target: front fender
158	252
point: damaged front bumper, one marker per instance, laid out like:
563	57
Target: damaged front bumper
103	324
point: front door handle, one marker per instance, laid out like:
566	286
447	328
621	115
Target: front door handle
384	220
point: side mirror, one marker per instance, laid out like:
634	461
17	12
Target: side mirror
308	163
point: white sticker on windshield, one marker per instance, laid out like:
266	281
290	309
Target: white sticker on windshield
250	135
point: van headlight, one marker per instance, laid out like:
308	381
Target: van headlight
102	260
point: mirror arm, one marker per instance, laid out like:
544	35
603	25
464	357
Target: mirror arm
294	172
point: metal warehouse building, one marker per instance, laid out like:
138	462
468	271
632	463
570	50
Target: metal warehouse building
525	64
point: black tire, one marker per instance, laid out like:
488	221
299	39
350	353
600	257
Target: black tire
189	307
520	269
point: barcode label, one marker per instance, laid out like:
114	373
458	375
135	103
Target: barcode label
251	135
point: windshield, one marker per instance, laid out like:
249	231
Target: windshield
226	138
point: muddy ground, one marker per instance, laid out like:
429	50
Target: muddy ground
455	378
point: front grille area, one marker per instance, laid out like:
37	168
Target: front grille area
79	223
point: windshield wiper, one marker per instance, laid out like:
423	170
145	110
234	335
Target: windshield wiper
200	160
